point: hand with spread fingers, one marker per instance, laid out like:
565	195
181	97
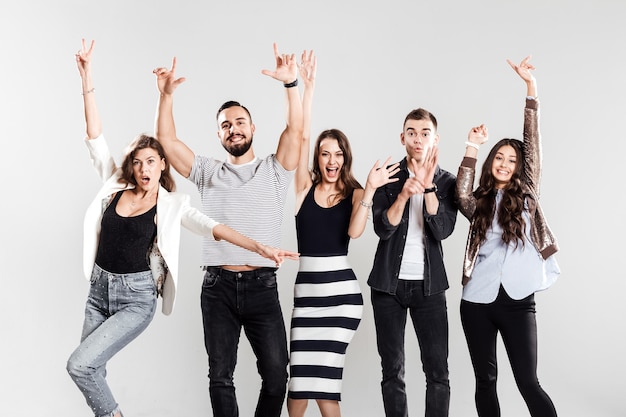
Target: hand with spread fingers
381	175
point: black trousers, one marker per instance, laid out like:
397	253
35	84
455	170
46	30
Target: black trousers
515	321
429	315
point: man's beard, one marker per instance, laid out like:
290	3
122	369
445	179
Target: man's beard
239	149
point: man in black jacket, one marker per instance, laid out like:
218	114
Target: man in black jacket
411	217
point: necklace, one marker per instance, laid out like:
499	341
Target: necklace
133	203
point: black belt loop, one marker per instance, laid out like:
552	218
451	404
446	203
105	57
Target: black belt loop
255	273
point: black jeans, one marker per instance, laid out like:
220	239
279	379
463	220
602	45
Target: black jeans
230	301
516	322
430	321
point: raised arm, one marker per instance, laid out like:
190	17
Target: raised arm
362	199
92	116
288	151
532	135
179	154
467	171
302	181
99	152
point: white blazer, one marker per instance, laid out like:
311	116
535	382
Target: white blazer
173	209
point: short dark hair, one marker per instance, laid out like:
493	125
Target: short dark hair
420	114
229	104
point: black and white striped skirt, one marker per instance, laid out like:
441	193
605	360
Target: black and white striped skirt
328	306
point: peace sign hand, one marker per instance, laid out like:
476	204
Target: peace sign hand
83	58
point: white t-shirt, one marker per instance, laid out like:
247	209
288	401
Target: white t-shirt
412	266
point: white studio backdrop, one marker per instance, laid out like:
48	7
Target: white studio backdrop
376	62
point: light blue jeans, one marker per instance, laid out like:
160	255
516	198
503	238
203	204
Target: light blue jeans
119	308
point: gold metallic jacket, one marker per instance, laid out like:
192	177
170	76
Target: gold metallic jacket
542	237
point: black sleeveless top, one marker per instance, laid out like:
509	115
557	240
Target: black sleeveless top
125	241
323	231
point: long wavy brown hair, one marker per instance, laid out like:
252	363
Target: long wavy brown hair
512	204
143	142
347	183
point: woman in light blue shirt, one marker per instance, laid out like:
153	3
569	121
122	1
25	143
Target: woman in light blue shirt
509	256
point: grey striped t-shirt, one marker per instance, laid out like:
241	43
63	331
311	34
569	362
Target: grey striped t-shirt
250	198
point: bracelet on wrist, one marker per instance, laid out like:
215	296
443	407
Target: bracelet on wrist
473	145
84	93
431	189
366	205
291	84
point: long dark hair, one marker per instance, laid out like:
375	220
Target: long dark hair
347	183
512	204
143	142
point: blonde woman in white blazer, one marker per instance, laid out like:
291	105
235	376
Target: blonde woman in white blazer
131	245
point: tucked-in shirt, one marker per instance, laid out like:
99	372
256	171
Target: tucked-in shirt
323	231
519	269
125	241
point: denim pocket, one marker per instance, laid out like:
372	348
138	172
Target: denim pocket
268	280
209	280
143	285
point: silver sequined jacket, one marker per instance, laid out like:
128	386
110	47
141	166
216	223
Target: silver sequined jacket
542	237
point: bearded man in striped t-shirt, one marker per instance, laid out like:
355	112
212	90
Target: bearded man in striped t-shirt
247	193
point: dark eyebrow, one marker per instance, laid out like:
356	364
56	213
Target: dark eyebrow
502	154
237	119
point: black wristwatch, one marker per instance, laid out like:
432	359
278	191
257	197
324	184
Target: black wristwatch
431	190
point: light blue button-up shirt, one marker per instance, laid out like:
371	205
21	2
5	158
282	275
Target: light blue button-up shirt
521	270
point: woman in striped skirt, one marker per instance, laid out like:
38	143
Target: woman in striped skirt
331	208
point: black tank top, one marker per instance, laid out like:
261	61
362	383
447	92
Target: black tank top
323	231
125	241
